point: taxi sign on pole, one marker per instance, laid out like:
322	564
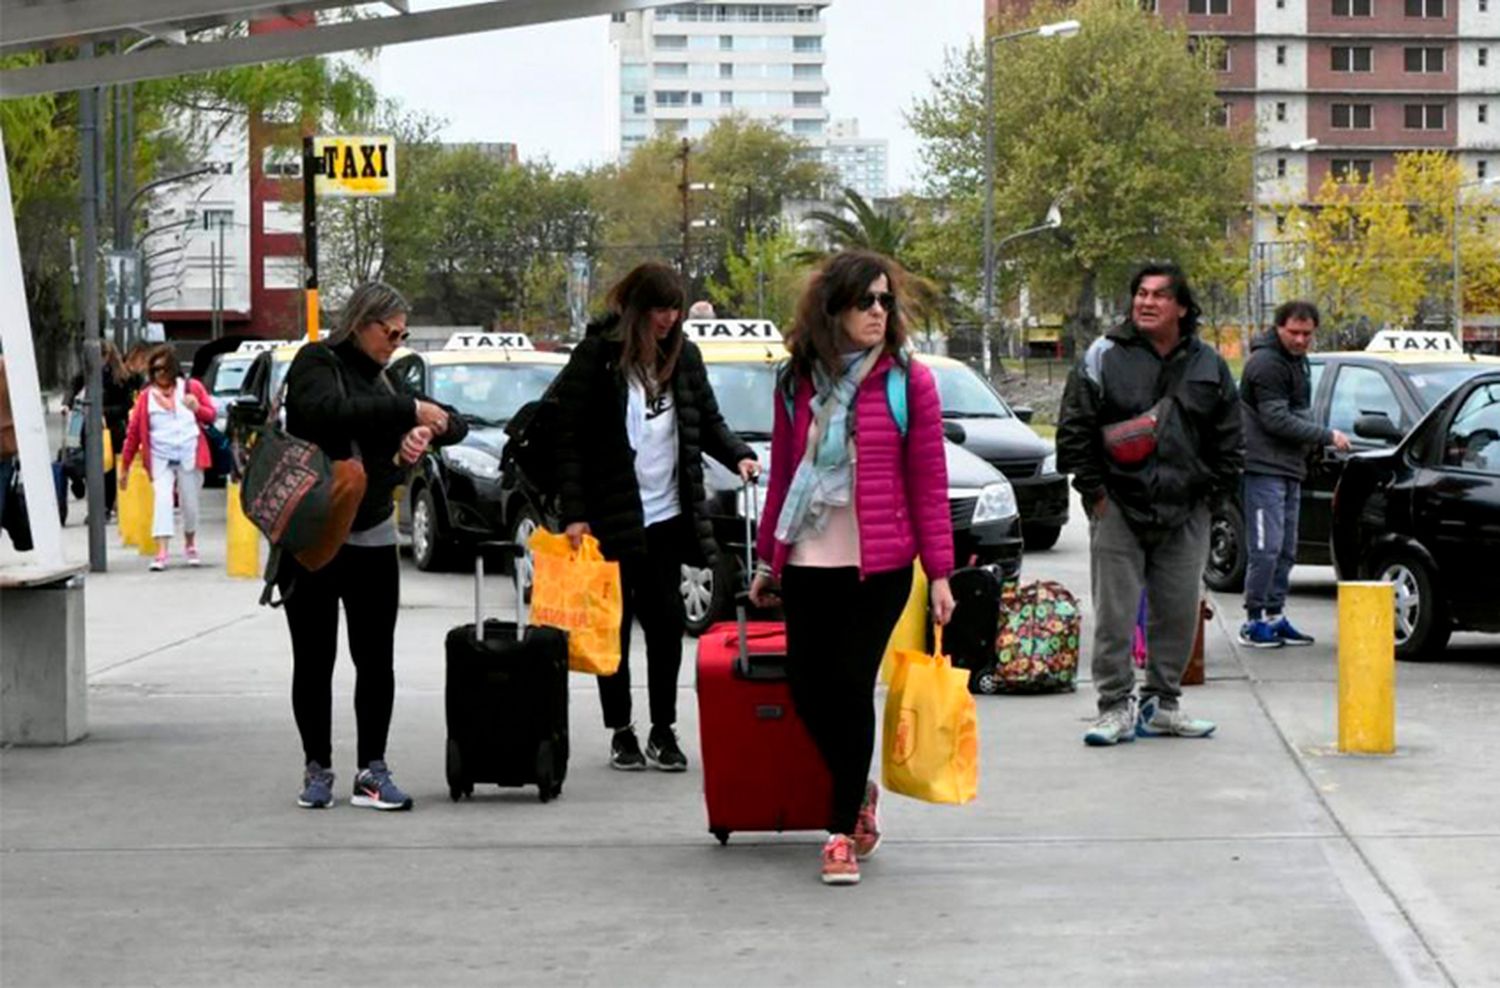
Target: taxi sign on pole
731	331
1414	341
488	341
355	165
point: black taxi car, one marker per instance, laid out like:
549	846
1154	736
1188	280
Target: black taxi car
1425	517
1374	396
455	496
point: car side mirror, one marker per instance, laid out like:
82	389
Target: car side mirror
954	432
1024	413
1377	426
245	412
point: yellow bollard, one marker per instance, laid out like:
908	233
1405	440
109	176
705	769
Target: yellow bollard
241	538
1367	668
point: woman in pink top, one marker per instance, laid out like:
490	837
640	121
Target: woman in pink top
854	498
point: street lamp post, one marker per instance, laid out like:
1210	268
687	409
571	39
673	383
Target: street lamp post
1059	29
1253	275
1458	292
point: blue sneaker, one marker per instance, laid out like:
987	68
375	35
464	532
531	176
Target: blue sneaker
317	787
375	788
1156	721
1259	634
1289	635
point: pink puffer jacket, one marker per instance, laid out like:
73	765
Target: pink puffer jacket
900	484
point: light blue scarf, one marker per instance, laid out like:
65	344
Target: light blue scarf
825	477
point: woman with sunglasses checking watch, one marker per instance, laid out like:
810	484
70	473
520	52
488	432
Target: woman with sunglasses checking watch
166	428
855	497
339	397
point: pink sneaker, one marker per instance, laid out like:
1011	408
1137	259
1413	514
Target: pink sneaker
866	834
192	556
840	866
159	563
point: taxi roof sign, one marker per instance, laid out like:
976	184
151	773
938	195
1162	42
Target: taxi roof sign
488	341
261	346
731	331
1414	341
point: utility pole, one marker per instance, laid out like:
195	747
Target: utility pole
684	153
89	148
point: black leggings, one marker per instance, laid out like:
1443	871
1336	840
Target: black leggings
368	581
837	628
652	586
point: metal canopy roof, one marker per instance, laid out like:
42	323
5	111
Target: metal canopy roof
193	47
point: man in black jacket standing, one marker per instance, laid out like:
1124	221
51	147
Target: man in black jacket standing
1276	390
1150	431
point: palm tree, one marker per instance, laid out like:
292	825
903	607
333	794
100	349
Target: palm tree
857	225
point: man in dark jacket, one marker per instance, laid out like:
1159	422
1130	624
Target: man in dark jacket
1276	391
1148	501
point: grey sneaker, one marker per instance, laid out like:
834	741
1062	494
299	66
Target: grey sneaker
317	787
1114	726
1156	721
374	787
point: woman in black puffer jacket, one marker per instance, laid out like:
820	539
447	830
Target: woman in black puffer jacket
636	415
339	397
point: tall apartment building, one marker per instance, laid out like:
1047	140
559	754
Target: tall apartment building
683	66
859	163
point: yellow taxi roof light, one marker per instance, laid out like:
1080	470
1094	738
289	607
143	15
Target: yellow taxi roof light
1414	341
488	341
731	331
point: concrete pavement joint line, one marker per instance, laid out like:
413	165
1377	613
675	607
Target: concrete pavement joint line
1350	839
173	644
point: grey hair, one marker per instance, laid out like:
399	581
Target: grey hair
374	301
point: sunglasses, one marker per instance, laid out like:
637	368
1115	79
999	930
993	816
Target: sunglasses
868	299
396	334
161	369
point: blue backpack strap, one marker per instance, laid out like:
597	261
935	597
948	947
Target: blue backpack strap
895	396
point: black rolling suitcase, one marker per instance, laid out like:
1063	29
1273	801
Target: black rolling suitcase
506	697
969	638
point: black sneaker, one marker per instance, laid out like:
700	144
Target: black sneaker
625	752
663	752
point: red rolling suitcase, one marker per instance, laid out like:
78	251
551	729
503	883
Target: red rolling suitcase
761	770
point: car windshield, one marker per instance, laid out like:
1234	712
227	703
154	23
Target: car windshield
489	394
964	394
745	393
227	374
278	374
1432	381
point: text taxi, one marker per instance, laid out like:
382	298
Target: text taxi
455	495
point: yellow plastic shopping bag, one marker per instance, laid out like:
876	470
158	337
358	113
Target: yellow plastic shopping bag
930	749
134	507
580	593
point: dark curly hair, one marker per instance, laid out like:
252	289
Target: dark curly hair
1180	287
817	329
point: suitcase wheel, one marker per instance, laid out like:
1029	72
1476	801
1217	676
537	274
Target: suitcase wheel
721	834
985	682
458	787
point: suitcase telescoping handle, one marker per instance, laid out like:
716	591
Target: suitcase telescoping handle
746	665
517	552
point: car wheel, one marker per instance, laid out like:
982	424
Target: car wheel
705	594
1225	571
1038	538
1422	626
526	524
428	548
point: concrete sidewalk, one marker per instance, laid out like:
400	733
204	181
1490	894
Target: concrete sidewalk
166	849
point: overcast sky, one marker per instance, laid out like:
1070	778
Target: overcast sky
547	88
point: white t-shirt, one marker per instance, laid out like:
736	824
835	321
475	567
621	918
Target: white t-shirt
174	430
652	429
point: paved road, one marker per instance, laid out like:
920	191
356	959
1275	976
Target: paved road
166	848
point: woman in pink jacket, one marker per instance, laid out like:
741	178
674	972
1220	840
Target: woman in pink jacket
854	498
166	428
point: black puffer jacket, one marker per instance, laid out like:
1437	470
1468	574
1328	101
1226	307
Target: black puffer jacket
1276	389
372	411
1200	450
595	464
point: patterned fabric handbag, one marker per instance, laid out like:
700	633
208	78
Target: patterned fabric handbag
1036	650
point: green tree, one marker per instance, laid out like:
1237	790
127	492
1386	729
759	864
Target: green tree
1118	121
763	280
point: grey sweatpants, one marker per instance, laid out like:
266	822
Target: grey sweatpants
1169	564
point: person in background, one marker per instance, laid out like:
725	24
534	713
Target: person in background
339	398
1276	399
637	415
166	430
701	309
853	500
9	462
1149	508
120	388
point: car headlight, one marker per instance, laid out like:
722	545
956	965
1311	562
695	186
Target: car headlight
996	502
1049	464
475	462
